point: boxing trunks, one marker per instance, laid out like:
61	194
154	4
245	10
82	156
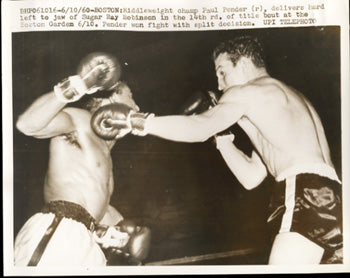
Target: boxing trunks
311	205
60	235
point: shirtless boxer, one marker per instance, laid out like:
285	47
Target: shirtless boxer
79	183
290	144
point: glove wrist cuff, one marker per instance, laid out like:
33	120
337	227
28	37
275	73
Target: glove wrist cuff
224	141
70	89
139	123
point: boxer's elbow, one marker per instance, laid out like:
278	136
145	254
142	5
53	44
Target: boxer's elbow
198	135
26	127
22	126
189	136
201	135
252	181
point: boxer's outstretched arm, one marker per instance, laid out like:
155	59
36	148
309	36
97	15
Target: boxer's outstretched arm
198	128
195	128
250	171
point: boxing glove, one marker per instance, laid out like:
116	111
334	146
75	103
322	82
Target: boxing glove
97	71
199	102
111	121
139	242
110	237
124	239
138	123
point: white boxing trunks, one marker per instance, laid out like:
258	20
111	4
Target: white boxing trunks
60	235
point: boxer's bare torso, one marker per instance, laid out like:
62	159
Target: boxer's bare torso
281	124
80	167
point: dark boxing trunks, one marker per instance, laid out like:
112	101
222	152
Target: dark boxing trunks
310	205
61	209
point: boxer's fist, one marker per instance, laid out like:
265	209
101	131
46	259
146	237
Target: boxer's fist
195	104
110	237
213	97
111	121
126	240
97	71
139	242
199	102
127	226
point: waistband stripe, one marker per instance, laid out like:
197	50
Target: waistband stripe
70	210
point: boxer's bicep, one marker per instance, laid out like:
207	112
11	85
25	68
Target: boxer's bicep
224	115
62	123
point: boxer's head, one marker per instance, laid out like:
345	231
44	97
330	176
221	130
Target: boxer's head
243	46
121	94
238	61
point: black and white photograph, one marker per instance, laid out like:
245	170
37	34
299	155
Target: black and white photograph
177	148
176	180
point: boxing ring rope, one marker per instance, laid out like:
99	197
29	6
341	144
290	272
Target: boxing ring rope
205	257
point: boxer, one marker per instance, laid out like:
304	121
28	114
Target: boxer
289	143
79	180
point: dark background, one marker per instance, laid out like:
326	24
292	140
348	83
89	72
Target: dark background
183	192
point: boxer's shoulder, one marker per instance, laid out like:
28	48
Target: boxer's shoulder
264	88
79	116
241	93
80	119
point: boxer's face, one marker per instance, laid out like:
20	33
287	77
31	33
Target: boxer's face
124	95
227	74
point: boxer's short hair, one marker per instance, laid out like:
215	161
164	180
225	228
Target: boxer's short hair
243	46
93	102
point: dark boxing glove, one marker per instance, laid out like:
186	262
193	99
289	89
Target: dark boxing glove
97	71
126	239
140	240
213	97
199	102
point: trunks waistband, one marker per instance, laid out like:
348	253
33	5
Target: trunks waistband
320	169
70	210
